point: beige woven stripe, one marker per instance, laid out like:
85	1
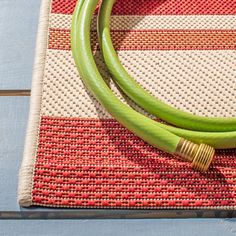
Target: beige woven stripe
201	82
155	22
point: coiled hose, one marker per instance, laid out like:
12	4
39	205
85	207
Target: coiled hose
193	146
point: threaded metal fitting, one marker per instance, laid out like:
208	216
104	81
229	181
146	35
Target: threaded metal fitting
200	155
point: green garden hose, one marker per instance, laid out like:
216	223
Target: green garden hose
141	96
170	139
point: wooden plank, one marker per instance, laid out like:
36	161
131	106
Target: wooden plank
18	27
193	227
13	120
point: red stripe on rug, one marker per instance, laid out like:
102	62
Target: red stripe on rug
59	39
98	163
158	7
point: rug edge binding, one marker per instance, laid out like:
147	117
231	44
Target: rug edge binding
25	184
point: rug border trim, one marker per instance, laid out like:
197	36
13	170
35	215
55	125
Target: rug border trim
26	172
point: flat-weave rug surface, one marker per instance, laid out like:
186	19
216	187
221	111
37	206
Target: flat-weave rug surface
76	155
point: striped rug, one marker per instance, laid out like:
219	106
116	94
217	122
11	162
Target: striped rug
76	155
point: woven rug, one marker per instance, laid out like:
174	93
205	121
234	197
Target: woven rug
76	155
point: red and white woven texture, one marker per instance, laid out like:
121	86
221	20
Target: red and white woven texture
183	52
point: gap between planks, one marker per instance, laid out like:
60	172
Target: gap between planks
5	93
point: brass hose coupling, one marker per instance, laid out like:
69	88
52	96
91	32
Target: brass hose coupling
200	155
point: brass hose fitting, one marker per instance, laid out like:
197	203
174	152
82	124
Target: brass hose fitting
200	155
